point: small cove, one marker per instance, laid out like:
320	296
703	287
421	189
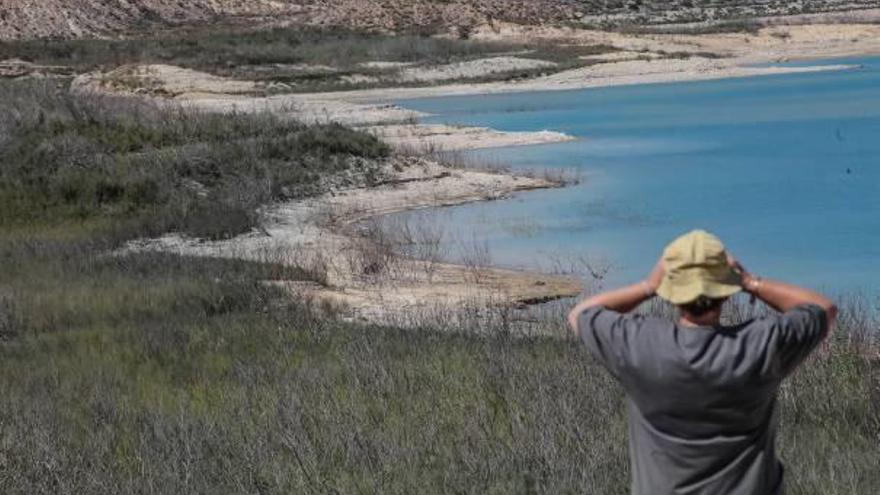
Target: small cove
784	168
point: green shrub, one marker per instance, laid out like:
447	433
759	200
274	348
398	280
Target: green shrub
228	50
70	157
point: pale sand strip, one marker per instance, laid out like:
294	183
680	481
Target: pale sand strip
439	137
471	68
655	58
205	92
617	74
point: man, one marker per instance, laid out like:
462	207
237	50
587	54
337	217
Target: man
702	396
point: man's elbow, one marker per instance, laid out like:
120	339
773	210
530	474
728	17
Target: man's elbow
572	322
831	316
832	312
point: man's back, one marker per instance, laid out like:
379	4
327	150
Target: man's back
702	399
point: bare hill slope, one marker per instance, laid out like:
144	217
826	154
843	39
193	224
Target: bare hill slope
22	19
25	19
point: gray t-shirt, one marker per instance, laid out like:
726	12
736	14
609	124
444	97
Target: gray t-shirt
702	399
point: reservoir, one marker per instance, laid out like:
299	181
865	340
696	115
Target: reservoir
785	169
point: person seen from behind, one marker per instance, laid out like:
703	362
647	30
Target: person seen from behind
702	395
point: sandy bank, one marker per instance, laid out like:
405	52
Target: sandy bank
205	92
472	69
621	73
361	278
429	137
632	59
659	58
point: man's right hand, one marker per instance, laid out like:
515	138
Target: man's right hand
781	296
748	281
655	278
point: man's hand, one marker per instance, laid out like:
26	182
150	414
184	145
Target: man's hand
781	296
749	282
735	264
656	276
622	300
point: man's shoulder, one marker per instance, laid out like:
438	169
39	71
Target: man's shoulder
778	325
598	318
623	342
631	332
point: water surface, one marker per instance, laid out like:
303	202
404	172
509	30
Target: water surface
783	168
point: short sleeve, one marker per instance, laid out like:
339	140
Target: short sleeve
607	336
801	329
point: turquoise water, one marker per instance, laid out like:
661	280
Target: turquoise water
785	169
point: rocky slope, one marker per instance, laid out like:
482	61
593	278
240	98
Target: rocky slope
24	19
431	15
463	14
614	13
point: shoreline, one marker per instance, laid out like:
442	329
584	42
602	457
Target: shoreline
560	83
631	59
321	234
361	277
398	126
648	58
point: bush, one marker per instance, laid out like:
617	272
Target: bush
74	157
223	49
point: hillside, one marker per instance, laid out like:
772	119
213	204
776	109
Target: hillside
22	19
26	19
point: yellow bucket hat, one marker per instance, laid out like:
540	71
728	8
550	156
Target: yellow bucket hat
696	265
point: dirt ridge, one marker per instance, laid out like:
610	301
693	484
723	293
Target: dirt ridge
65	19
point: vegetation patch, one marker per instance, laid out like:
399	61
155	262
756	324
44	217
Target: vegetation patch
295	59
81	158
291	55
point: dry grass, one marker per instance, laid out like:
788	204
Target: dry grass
154	169
157	373
296	59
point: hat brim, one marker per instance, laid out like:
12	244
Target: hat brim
686	291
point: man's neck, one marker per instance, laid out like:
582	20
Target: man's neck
708	320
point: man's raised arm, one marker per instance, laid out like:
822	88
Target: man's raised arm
621	300
783	297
